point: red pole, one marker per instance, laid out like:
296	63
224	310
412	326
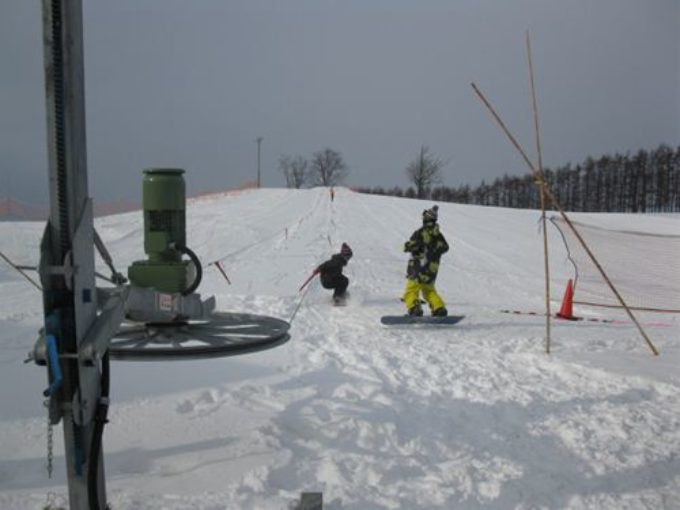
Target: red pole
308	280
219	266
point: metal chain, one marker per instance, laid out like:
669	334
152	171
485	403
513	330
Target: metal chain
50	440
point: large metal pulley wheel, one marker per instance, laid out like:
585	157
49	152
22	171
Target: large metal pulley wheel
223	334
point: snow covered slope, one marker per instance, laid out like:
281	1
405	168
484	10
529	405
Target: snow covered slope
473	416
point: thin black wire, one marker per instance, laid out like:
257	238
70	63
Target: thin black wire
566	246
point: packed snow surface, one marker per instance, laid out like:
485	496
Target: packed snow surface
471	416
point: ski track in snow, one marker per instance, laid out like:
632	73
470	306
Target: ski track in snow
474	416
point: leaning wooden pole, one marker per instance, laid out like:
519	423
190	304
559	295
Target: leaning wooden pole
541	185
557	205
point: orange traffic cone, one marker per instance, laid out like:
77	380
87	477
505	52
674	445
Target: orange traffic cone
566	311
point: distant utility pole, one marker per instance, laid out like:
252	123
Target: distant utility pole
259	142
8	195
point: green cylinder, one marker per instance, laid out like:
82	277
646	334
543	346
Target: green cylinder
164	205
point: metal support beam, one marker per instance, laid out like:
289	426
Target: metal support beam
67	260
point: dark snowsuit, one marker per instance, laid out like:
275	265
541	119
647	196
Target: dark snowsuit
330	273
426	246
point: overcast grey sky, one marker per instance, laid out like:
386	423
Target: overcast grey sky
192	84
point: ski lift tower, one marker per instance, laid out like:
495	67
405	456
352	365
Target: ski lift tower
85	326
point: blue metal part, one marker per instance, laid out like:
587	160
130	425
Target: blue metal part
53	357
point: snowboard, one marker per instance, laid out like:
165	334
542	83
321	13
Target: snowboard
393	320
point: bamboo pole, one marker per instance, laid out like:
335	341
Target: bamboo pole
541	185
617	307
557	205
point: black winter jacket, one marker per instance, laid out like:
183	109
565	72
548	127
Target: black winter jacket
332	268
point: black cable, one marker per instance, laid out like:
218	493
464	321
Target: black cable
95	448
197	263
566	247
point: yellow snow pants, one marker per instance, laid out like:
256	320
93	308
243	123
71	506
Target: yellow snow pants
413	290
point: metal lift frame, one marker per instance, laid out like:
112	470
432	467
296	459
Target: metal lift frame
79	332
67	251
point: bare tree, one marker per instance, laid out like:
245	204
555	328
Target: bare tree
424	171
284	167
294	169
327	168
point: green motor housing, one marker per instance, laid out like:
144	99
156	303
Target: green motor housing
164	204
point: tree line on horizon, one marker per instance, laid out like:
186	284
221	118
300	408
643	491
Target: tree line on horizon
326	168
647	181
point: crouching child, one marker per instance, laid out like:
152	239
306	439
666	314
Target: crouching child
330	273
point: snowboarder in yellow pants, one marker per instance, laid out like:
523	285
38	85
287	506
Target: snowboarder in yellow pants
412	296
426	245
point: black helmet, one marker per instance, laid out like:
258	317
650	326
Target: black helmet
346	251
430	215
